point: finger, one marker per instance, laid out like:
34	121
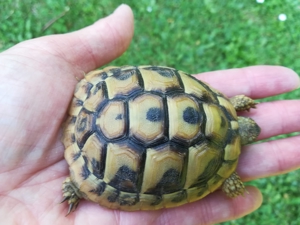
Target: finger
275	118
214	208
85	49
101	42
269	158
253	81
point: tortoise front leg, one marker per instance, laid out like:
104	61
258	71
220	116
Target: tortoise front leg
242	103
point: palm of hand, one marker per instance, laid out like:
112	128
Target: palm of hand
36	86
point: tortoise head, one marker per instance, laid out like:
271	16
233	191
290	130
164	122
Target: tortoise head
248	130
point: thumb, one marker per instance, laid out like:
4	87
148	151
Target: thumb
85	49
103	41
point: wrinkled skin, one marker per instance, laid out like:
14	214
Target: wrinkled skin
37	82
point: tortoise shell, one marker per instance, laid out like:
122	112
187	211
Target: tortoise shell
149	137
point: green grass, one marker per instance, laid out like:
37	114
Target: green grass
193	36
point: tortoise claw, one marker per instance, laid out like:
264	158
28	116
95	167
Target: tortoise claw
64	199
71	194
72	207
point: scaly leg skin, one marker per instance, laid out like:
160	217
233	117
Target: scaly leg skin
70	193
233	186
248	129
242	103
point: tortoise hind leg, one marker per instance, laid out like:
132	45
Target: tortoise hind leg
233	186
70	193
242	103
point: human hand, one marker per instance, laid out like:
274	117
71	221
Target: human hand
37	82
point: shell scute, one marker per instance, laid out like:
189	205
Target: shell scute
83	126
94	158
185	118
217	124
111	120
82	90
165	167
95	98
147	118
123	83
197	88
160	79
123	165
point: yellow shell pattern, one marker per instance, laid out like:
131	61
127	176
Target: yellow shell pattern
149	137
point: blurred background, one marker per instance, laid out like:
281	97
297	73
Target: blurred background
193	36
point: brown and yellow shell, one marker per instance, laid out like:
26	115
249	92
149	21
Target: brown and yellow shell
148	137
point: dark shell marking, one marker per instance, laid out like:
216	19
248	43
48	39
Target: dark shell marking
154	114
164	123
191	115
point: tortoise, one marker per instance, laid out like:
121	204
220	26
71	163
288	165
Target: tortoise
152	137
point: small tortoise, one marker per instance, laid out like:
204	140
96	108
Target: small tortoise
151	137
